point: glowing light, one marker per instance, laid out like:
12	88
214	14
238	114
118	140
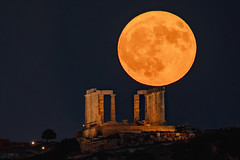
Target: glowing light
43	148
157	48
33	143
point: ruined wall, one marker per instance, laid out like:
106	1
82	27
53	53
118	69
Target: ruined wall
94	106
109	130
136	104
155	106
91	108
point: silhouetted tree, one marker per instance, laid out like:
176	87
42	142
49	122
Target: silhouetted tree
48	134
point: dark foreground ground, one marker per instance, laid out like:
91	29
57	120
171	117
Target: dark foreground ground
220	144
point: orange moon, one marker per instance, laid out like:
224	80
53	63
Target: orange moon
157	48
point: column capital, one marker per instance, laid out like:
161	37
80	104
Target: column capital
136	96
87	95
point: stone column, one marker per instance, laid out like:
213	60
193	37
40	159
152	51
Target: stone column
162	107
94	108
87	110
113	113
157	95
151	109
146	108
101	107
136	108
154	108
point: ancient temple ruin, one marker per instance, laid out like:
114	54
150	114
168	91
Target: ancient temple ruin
154	106
154	113
94	107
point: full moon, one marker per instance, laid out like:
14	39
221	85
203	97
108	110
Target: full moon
157	48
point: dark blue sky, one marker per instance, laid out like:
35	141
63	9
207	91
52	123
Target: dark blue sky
52	51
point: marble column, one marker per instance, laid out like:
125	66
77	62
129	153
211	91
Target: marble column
101	107
136	107
162	107
146	108
87	110
113	112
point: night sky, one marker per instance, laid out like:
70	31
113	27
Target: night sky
52	51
